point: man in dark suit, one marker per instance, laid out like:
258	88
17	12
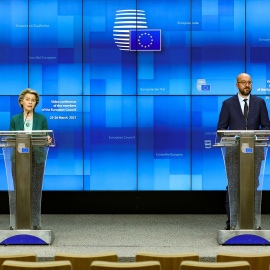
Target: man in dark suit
241	112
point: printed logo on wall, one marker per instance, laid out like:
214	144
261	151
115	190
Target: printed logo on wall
202	86
131	32
207	144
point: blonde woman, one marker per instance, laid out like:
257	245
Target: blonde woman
29	120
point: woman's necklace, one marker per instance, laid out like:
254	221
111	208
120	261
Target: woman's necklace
27	123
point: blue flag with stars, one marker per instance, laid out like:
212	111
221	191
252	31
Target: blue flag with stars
145	40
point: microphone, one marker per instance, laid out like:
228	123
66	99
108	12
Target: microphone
247	119
25	120
246	112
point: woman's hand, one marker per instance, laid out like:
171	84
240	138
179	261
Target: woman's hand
49	139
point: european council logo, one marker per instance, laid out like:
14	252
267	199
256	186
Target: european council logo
145	40
202	86
131	32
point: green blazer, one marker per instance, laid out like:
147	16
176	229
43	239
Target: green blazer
39	123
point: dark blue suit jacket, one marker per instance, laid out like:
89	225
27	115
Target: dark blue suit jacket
231	116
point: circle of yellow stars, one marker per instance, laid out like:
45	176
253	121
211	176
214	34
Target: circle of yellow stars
147	35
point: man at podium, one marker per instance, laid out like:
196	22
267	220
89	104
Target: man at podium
28	119
242	112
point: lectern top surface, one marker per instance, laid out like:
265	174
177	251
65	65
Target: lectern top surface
39	138
230	138
239	132
34	132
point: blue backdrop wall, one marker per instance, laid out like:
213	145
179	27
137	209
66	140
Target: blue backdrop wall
132	110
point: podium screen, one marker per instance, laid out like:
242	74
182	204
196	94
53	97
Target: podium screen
132	88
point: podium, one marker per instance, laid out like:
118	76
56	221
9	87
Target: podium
25	154
244	154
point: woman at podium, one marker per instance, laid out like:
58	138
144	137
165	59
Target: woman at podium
29	120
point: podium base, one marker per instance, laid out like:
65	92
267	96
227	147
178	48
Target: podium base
26	237
244	237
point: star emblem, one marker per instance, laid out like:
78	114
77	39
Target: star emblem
145	40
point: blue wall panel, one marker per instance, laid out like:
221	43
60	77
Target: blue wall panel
126	119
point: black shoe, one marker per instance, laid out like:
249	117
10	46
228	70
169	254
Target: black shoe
227	227
36	228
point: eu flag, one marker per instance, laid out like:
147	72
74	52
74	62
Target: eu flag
206	87
145	40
